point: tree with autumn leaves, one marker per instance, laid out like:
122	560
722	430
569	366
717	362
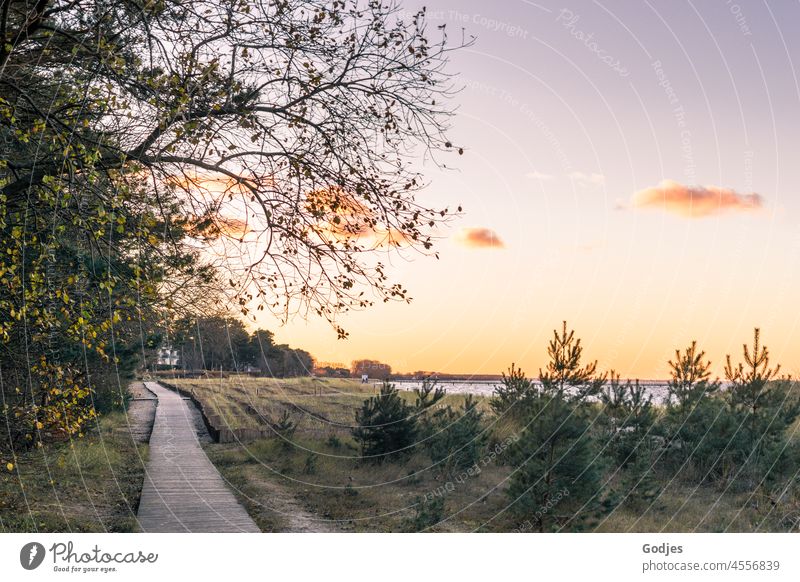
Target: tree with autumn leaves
158	156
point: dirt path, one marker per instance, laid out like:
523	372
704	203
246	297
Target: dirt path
272	498
183	491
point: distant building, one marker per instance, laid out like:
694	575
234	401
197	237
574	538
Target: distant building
167	356
371	368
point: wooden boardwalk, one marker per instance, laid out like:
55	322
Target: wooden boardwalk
183	491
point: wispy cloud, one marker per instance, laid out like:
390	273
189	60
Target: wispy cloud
694	201
479	238
536	175
591	179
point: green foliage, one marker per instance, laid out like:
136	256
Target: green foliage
221	342
285	362
427	514
512	395
79	290
310	465
701	439
626	422
697	428
386	426
627	419
556	451
690	377
564	376
459	437
284	429
767	408
737	436
751	383
334	441
426	398
428	395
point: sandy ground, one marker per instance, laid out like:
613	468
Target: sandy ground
291	514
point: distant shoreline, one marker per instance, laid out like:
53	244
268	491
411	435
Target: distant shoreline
486	379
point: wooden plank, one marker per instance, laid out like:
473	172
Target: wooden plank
183	491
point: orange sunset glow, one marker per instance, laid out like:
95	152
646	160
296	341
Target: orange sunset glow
647	207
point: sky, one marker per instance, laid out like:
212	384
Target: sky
630	167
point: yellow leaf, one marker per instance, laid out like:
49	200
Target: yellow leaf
10	466
39	425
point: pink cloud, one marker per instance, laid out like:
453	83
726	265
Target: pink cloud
695	201
480	238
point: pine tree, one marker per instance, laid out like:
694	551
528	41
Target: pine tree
427	397
750	387
627	420
459	438
386	425
285	428
428	394
761	398
557	481
511	396
698	429
564	375
690	377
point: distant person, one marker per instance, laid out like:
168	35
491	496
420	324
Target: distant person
364	378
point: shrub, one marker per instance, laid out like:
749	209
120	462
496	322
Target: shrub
428	513
627	419
285	428
310	466
386	425
512	395
427	396
700	439
334	441
459	437
626	423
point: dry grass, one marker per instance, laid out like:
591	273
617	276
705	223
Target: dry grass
321	467
320	406
330	488
344	494
92	484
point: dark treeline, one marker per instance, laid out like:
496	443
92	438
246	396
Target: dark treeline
581	444
223	343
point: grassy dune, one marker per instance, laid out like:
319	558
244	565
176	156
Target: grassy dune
321	475
321	468
321	406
